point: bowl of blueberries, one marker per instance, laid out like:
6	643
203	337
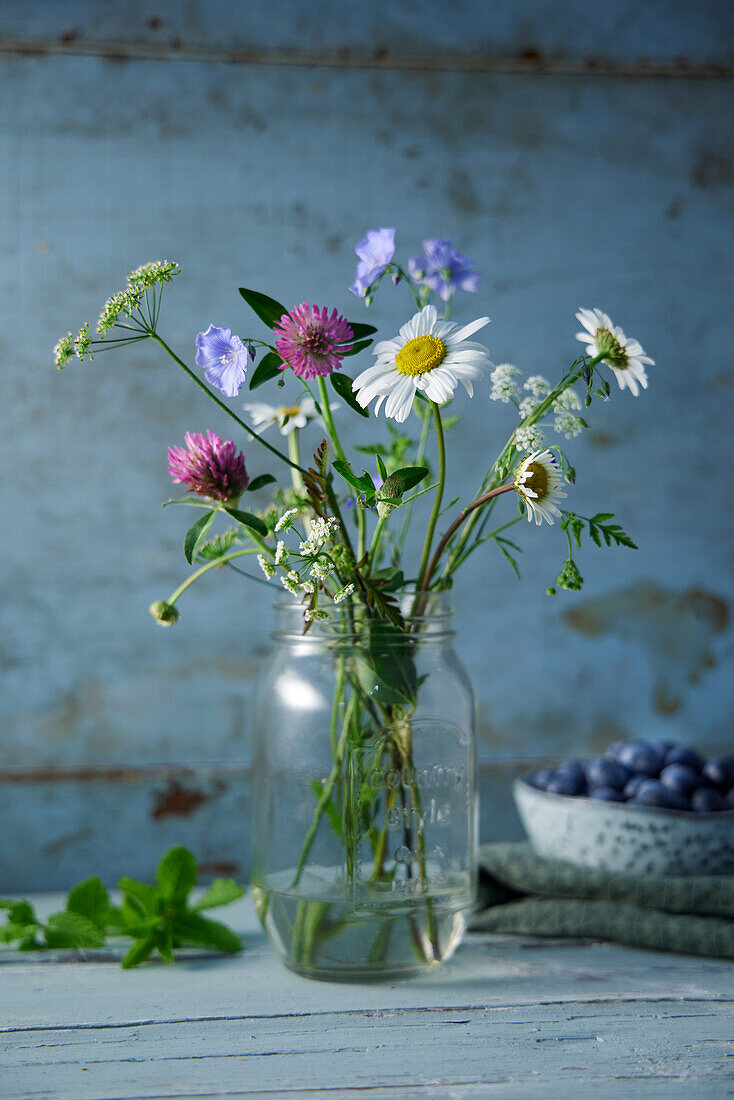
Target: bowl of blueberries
650	807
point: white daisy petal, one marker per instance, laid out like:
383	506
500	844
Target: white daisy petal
471	328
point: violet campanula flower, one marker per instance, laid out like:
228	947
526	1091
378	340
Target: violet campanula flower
375	251
208	466
443	269
223	358
311	341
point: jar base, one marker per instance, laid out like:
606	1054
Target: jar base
368	976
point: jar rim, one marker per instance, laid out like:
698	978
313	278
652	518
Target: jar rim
348	619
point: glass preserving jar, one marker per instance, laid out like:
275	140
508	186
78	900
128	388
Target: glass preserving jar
365	805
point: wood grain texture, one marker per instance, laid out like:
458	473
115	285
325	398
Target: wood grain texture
506	1017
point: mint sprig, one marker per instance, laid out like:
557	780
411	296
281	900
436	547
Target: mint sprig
159	918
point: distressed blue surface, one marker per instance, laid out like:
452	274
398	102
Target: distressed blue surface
567	190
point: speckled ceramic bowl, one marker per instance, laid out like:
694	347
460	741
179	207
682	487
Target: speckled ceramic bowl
613	836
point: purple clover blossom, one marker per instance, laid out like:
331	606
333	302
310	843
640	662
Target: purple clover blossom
209	467
223	358
375	251
443	269
311	341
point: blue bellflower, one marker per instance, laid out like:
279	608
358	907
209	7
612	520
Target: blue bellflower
443	269
375	251
223	358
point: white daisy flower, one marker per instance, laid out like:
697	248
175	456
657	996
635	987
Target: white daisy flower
429	356
538	481
287	417
624	356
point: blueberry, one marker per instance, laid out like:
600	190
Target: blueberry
678	801
632	785
562	784
640	757
652	793
572	773
613	751
679	754
542	778
719	770
680	778
606	794
729	800
603	772
706	801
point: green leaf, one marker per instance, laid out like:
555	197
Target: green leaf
329	808
196	535
248	520
90	899
141	898
221	892
363	483
176	875
356	348
387	671
360	330
410	476
381	467
19	912
342	383
267	368
260	482
73	930
140	951
509	557
267	309
191	928
218	547
25	932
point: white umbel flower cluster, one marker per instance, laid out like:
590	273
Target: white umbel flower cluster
504	383
321	531
286	520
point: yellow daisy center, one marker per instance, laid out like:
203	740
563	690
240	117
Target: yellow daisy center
536	478
420	355
289	410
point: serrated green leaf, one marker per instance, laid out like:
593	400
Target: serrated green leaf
191	928
217	547
248	520
267	309
73	930
411	476
90	899
269	367
260	482
139	952
176	875
601	517
11	932
360	345
222	891
139	896
19	912
342	383
594	535
360	330
196	535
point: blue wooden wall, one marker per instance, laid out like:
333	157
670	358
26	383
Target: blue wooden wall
581	155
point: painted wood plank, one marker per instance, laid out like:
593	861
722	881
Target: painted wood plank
535	31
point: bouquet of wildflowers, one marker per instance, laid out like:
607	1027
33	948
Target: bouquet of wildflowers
334	532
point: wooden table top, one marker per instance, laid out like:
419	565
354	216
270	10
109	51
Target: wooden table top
507	1016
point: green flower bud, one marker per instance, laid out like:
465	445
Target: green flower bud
164	613
393	488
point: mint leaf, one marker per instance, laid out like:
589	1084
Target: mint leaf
140	951
139	897
73	930
191	928
176	875
221	892
19	912
90	899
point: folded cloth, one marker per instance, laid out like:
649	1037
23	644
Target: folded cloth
519	892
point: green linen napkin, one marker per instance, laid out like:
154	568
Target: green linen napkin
522	893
